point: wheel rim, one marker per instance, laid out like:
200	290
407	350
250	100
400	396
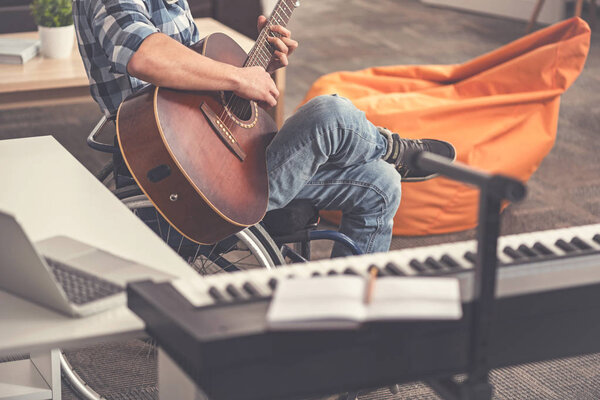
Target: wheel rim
242	251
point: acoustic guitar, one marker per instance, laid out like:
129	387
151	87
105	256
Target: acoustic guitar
200	156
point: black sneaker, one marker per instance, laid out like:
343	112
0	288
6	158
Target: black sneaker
400	149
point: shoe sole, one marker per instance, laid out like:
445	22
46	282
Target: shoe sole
430	176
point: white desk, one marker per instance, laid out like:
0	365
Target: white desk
50	193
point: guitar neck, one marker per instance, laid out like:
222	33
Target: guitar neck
261	53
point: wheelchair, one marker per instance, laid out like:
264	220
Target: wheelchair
283	236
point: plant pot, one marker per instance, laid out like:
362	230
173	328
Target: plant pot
57	42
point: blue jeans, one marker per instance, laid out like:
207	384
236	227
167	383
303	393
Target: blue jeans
329	153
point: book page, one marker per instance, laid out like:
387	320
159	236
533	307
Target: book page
417	298
318	303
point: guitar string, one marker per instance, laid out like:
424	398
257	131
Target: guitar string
262	55
251	59
283	22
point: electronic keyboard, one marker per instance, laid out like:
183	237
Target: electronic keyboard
547	306
536	255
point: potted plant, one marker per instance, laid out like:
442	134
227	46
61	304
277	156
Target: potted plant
55	24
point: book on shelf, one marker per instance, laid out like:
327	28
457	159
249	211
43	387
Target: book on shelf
18	50
342	302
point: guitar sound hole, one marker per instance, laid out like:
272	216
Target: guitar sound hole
238	106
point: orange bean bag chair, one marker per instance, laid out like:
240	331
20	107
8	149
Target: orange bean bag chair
500	111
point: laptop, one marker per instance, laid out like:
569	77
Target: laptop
65	274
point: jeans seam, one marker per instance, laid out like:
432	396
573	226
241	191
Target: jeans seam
313	138
365	185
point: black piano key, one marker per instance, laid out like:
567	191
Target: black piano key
216	295
332	272
251	289
272	283
543	249
316	273
470	256
350	271
434	264
512	253
528	251
597	238
393	269
580	243
417	265
233	291
380	272
565	246
449	261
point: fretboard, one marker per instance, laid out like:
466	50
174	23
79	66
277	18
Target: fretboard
262	51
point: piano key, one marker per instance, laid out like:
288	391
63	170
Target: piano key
417	265
540	247
597	238
470	256
233	291
216	295
350	271
580	243
393	269
528	251
272	283
316	273
332	272
449	261
566	247
512	253
434	264
251	289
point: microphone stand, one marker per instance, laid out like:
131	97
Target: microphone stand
493	190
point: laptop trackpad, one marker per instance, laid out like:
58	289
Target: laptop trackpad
115	269
97	262
62	248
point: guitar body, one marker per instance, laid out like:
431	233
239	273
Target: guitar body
200	160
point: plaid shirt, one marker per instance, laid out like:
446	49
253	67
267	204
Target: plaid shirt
110	31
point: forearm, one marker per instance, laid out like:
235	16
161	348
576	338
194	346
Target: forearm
165	62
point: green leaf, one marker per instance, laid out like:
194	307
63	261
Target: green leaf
52	13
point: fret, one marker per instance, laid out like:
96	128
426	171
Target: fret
262	52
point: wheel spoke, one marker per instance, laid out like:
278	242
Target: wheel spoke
158	222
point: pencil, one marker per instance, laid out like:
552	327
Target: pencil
373	270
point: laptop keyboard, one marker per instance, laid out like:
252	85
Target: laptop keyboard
81	287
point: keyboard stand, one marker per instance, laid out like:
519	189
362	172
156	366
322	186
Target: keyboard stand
493	190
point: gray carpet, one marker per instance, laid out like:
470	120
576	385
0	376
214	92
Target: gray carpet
354	34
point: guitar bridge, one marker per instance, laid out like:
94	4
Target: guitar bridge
223	132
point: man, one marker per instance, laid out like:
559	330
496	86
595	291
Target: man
327	151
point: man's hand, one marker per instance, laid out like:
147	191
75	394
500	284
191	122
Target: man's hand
256	84
284	45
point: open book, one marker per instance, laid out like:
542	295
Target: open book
338	302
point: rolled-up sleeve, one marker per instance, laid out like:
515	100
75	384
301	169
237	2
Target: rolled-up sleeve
120	27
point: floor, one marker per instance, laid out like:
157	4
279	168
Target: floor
353	34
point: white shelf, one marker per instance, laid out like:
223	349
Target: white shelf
552	11
20	380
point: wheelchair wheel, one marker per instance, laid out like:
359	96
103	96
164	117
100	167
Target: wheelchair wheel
85	370
248	249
